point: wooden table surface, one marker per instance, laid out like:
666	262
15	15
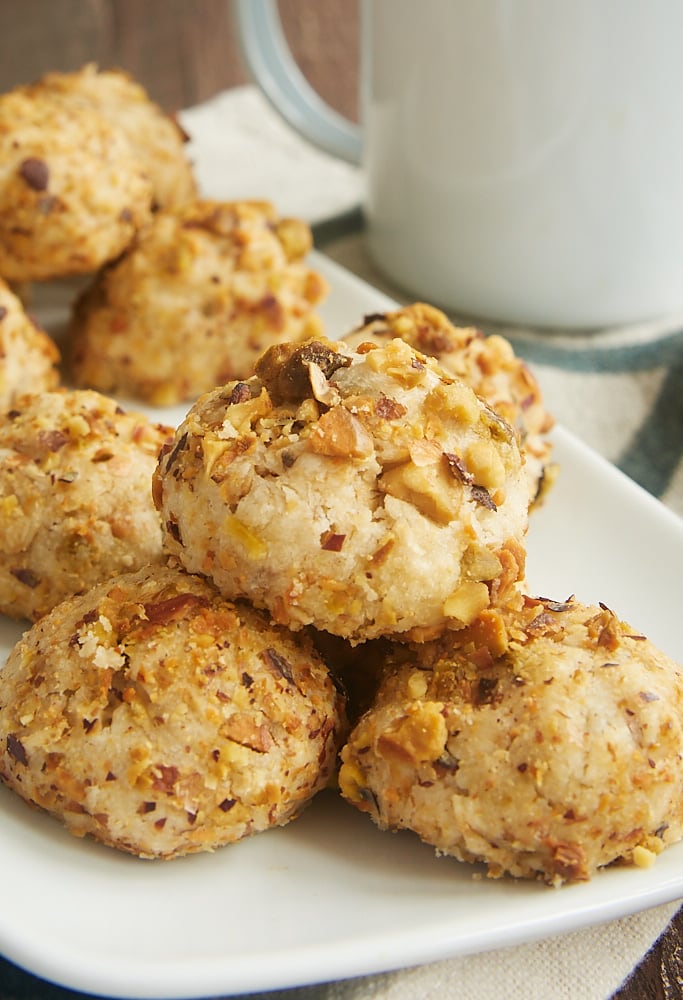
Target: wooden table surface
183	52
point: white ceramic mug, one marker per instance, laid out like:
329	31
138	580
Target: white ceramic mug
524	158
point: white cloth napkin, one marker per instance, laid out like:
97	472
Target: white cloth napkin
242	149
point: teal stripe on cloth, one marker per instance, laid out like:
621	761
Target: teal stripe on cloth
600	354
656	449
337	226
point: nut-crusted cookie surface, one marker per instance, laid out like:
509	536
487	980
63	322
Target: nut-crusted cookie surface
195	301
364	494
547	744
154	137
162	719
75	497
28	355
488	365
72	193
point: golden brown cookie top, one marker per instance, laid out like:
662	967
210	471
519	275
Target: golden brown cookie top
155	138
488	364
385	497
545	743
72	192
161	719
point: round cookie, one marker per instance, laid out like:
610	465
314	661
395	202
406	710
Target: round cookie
155	138
488	365
546	744
75	497
72	193
366	494
28	355
195	301
162	719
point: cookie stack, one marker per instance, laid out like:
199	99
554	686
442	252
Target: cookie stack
182	293
331	516
370	496
142	708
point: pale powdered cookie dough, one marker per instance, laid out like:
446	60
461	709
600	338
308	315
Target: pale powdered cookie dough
28	355
162	719
547	745
75	497
488	365
155	138
194	302
366	494
72	193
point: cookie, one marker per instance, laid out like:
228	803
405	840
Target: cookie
155	138
75	497
365	494
162	719
72	193
546	746
28	355
489	365
194	302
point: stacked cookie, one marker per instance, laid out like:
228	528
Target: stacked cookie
162	719
369	495
194	301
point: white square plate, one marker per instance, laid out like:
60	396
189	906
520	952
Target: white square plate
330	896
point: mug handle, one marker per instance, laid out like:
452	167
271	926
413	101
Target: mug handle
270	61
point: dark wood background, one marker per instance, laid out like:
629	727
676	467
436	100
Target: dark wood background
183	52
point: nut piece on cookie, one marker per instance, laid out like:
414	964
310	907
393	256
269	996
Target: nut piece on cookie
72	192
28	355
155	138
367	495
162	719
488	365
75	497
197	298
545	742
